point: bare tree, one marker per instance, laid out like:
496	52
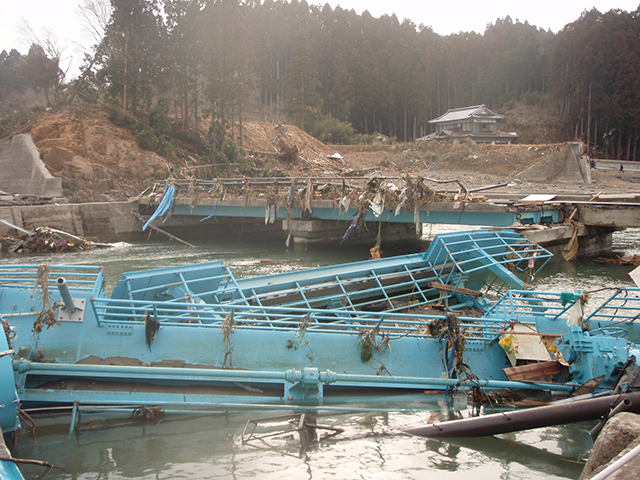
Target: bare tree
94	16
40	72
47	41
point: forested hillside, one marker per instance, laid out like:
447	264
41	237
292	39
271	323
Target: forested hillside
205	66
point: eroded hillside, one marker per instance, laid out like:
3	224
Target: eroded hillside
99	161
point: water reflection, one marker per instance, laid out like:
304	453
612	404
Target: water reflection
371	446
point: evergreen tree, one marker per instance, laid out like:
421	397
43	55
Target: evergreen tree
302	81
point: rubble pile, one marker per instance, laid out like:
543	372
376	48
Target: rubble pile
46	240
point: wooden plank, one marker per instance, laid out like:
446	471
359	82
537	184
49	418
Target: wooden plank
453	288
532	370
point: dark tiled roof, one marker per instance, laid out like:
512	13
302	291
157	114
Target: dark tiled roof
476	111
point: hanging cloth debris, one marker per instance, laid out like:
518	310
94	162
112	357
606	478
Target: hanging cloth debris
151	328
416	216
213	214
351	228
345	203
402	200
270	214
308	196
377	204
165	205
570	250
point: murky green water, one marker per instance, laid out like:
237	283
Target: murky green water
371	446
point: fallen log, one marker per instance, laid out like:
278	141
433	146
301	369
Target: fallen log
634	260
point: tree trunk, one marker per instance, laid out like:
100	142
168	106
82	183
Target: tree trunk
240	132
619	146
126	66
589	122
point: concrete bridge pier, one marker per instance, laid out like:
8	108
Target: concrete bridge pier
306	233
592	240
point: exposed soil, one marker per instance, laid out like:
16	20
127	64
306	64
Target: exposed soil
99	161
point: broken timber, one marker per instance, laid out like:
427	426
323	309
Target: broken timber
453	288
533	370
159	230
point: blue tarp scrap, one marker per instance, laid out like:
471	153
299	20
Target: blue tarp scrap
351	228
213	214
165	205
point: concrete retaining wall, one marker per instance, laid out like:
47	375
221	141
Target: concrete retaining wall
22	171
568	165
114	221
591	240
104	221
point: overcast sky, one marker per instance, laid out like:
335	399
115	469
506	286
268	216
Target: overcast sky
445	17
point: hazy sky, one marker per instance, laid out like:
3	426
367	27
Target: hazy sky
445	17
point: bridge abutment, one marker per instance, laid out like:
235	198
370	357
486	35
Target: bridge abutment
592	240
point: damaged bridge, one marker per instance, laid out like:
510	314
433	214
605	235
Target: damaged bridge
336	209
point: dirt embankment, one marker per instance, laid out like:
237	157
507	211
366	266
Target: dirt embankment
99	161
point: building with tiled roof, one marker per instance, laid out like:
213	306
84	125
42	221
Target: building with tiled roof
476	124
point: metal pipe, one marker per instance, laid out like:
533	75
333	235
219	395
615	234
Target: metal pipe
167	374
555	414
66	295
621	407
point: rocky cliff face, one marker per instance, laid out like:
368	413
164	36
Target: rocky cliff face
96	160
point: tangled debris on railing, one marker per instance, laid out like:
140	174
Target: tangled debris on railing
374	193
47	316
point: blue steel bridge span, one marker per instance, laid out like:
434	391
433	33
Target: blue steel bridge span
390	200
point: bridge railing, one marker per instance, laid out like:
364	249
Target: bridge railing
240	317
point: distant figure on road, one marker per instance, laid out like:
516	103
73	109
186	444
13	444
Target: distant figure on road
621	168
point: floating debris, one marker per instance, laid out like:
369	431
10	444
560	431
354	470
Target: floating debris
47	240
634	260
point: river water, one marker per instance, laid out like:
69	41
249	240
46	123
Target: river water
210	446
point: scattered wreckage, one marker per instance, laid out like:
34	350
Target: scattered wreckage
364	332
45	240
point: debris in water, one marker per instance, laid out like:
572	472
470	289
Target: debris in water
634	260
47	240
